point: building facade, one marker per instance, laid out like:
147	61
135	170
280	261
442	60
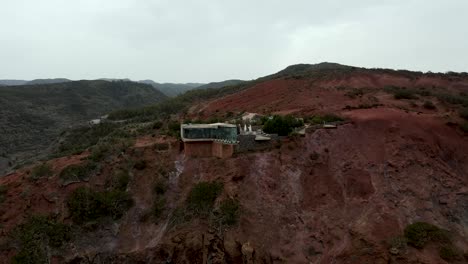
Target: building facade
209	140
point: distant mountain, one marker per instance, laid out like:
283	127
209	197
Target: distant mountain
36	81
48	81
215	85
114	79
33	116
12	82
172	89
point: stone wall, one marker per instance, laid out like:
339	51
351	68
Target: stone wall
198	149
221	150
208	149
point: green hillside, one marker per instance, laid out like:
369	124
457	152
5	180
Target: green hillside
32	116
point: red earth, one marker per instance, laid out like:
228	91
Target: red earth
333	196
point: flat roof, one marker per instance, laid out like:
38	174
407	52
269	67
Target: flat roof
213	125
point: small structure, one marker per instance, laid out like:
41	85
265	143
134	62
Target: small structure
209	140
94	122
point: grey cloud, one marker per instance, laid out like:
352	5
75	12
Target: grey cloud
211	40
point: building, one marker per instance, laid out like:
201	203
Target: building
209	140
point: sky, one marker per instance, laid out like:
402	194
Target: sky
214	40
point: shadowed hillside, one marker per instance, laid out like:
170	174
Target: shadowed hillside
33	116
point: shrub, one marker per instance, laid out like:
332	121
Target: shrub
464	127
161	146
87	205
229	210
122	179
159	188
3	192
159	204
398	244
464	113
79	139
42	170
419	233
140	165
35	235
203	195
325	119
157	125
78	172
449	253
429	105
355	93
453	99
404	94
99	152
281	125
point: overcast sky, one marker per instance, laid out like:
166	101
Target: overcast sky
213	40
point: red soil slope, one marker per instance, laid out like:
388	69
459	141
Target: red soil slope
335	196
312	95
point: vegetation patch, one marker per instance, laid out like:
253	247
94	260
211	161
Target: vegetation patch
78	140
140	165
464	113
36	236
398	244
3	193
229	212
329	118
121	180
419	234
281	125
87	205
78	172
464	127
454	99
203	195
406	93
450	253
41	170
429	105
355	92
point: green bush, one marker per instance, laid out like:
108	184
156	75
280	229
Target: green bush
401	92
464	127
3	192
157	125
159	204
404	94
329	118
203	195
398	244
420	233
453	99
42	170
429	105
281	125
229	210
78	172
35	235
159	188
86	205
79	139
355	92
99	152
140	165
464	113
122	179
450	253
